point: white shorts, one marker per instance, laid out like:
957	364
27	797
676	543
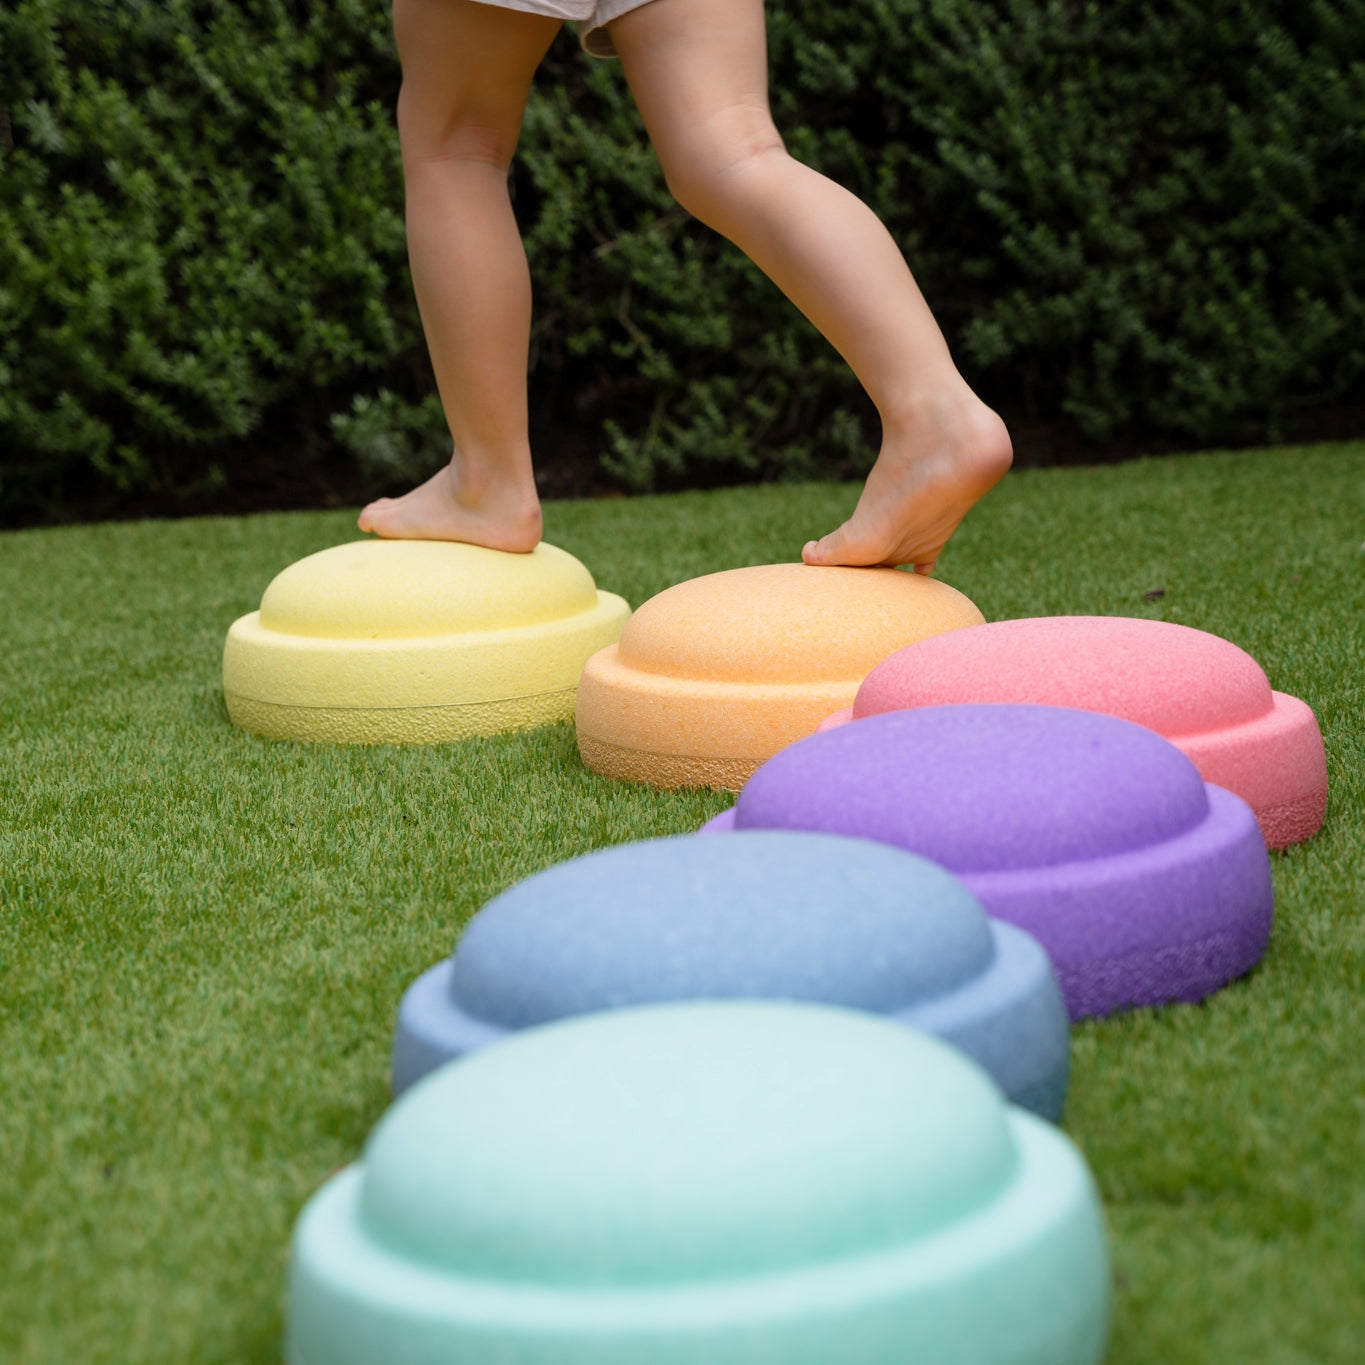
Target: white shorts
592	16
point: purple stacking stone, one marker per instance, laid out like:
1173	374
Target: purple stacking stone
1144	883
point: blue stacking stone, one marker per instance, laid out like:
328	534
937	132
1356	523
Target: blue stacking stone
762	915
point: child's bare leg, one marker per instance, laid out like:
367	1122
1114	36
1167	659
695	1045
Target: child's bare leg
467	69
698	70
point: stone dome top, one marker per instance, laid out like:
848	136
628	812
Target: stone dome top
685	1143
409	589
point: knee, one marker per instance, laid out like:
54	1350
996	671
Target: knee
453	131
712	171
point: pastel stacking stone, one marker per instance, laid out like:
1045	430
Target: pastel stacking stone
410	641
763	915
714	675
740	1183
1144	883
1209	698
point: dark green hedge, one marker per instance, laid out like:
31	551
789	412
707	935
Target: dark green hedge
1141	220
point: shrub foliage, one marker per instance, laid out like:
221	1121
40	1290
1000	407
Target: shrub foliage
1140	219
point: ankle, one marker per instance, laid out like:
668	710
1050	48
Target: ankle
935	396
968	431
506	484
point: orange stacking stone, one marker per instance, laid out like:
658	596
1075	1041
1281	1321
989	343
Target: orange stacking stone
715	675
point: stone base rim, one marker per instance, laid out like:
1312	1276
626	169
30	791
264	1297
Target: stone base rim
665	771
398	724
1293	822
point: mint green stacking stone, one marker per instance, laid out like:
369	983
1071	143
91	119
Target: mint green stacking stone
708	1183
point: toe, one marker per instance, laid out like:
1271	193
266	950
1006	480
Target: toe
826	551
372	515
841	547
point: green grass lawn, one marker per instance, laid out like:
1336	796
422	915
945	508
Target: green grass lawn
204	935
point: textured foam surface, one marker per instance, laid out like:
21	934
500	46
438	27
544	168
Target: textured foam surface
410	641
1093	834
714	675
1203	693
762	915
735	1183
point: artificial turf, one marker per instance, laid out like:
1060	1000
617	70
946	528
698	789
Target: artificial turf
204	935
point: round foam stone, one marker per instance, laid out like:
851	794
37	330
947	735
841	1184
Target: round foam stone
1207	697
416	641
762	915
714	675
740	1183
1144	883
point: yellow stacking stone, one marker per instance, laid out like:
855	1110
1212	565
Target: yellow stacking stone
416	642
714	676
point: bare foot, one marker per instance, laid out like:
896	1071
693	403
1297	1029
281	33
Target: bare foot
502	515
930	472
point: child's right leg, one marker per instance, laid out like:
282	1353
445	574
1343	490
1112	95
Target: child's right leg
698	70
467	70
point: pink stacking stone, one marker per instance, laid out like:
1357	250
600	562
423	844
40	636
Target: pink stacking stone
1207	696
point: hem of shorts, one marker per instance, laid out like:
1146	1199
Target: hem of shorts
565	10
593	36
596	41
